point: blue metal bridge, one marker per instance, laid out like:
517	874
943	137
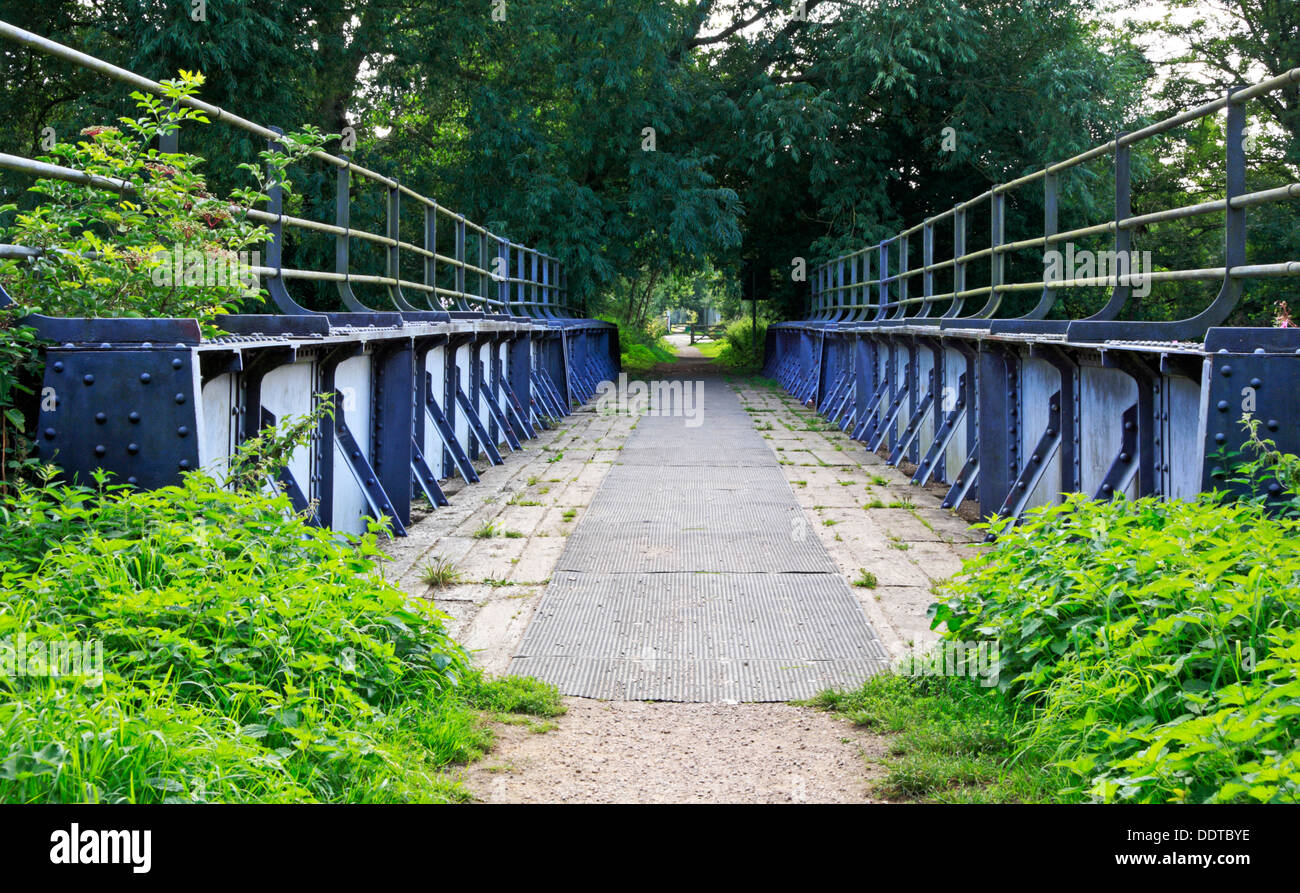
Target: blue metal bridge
908	347
904	350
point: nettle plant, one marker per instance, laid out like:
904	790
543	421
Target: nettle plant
146	238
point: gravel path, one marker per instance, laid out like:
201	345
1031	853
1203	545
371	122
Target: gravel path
648	752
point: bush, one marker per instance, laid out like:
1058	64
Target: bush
740	353
1156	644
642	349
164	245
246	655
20	376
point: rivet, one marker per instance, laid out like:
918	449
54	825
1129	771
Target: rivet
1105	488
133	417
101	418
133	448
1256	383
184	463
1220	437
1123	457
88	379
58	367
180	398
100	450
133	480
1226	371
1275	488
1259	350
183	431
145	378
176	363
49	433
1272	424
1223	406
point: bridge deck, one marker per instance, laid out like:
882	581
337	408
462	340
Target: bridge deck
693	577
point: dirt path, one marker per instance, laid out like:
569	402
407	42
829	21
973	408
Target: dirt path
645	752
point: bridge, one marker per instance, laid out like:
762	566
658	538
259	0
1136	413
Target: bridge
698	590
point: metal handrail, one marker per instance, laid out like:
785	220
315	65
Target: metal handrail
845	291
541	295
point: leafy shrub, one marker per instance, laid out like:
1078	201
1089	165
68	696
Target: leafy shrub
641	349
20	365
248	655
113	252
740	352
1156	643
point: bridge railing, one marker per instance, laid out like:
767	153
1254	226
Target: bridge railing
1011	411
455	367
845	289
524	280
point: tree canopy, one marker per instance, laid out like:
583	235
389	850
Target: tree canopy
644	141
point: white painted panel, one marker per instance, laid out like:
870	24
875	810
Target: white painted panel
287	391
1104	394
217	433
352	378
1039	381
1185	445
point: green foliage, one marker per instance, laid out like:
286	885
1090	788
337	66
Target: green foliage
20	366
440	572
865	580
1157	644
951	740
743	353
514	694
247	655
148	238
642	347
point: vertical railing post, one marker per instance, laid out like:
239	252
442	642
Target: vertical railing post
430	261
882	273
958	266
460	264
